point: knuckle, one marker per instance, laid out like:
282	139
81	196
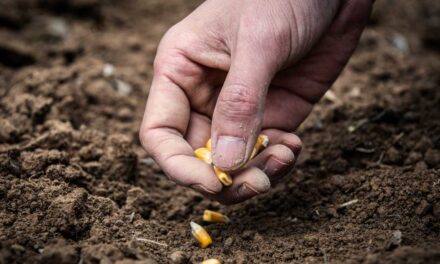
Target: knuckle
177	68
169	64
159	65
142	137
152	142
272	35
146	143
238	102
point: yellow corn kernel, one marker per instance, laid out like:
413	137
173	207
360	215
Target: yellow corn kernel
209	145
201	235
203	154
262	142
211	261
223	177
214	217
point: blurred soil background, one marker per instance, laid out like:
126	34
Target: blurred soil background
76	187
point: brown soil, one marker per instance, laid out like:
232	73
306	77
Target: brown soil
76	187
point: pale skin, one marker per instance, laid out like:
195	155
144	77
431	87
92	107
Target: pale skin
233	69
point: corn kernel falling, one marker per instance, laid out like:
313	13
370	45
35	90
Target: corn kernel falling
201	235
204	154
262	142
214	217
211	261
223	177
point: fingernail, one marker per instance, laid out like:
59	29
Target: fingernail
274	166
246	191
229	152
202	189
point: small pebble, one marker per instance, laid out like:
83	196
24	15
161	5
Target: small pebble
123	88
57	28
18	247
229	241
179	257
394	240
108	70
148	162
399	41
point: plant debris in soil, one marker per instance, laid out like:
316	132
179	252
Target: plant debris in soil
76	186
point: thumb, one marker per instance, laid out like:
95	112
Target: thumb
238	113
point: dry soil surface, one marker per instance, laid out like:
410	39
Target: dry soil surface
76	187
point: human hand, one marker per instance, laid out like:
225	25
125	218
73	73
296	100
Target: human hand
234	68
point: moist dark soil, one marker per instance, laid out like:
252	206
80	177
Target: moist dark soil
76	186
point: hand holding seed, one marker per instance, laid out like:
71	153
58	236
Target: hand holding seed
234	69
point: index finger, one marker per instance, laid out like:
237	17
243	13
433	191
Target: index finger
164	125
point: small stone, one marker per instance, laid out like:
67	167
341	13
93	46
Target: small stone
179	257
123	88
400	42
18	247
394	241
108	70
57	28
318	125
229	242
149	162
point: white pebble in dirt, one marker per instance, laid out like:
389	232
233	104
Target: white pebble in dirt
123	88
108	70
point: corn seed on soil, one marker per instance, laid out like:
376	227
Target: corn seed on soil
76	187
